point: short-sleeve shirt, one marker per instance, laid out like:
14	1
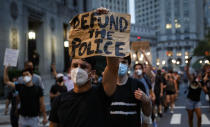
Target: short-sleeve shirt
88	109
56	88
29	99
125	109
36	80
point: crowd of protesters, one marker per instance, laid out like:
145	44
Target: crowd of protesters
81	98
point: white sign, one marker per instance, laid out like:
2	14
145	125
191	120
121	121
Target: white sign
11	57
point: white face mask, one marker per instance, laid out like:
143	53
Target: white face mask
139	72
27	79
79	76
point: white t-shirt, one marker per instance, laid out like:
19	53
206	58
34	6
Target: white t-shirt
68	83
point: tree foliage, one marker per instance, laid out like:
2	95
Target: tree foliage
203	47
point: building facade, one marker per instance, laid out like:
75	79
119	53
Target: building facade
179	25
37	27
121	6
146	13
207	15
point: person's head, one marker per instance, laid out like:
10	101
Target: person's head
81	70
59	79
28	65
159	72
27	75
124	64
138	69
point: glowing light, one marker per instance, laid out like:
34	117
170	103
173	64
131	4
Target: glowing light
200	61
31	35
66	44
163	62
186	57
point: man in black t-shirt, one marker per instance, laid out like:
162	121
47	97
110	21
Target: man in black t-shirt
128	99
58	88
85	106
31	99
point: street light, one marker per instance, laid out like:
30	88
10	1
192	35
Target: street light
206	61
186	61
66	44
31	35
158	63
134	55
173	61
200	61
186	57
163	62
178	62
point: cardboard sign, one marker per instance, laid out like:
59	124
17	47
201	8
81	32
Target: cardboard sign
140	45
11	57
94	34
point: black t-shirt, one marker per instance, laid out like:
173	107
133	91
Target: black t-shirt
194	93
29	99
56	88
88	109
125	109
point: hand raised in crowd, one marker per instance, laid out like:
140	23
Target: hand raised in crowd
44	121
102	10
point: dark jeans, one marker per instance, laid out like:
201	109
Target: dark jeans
14	119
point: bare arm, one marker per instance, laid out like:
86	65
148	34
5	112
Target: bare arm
52	124
205	89
189	76
149	67
110	75
146	103
54	70
6	78
176	86
42	109
6	106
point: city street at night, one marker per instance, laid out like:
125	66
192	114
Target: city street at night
104	63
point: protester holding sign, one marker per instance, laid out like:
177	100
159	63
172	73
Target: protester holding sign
85	106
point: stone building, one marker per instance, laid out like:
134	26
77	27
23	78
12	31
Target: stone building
40	27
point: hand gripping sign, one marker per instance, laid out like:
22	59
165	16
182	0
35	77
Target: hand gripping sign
94	34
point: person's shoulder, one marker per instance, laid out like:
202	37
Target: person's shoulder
36	76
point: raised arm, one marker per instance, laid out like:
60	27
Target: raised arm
149	67
110	75
54	70
6	78
189	76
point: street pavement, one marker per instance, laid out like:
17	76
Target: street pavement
5	119
178	119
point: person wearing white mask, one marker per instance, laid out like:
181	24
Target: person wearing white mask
31	99
128	99
85	106
138	74
66	78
